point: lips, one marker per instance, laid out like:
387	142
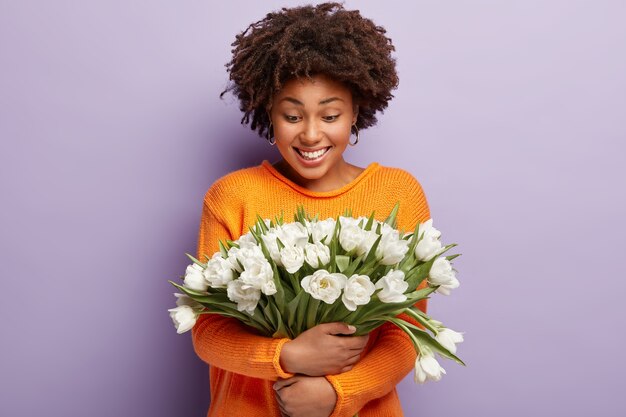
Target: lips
310	151
312	159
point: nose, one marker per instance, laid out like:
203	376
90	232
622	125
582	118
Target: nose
311	133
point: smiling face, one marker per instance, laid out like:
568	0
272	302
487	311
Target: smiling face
311	121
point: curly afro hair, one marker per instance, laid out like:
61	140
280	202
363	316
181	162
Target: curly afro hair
304	41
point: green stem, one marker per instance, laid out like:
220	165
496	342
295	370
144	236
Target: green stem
405	329
423	320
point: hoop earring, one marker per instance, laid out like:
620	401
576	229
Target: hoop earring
357	135
269	136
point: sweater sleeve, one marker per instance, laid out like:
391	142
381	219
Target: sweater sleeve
392	355
391	358
225	342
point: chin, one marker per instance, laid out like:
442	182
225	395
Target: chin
311	173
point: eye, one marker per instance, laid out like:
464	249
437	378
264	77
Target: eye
291	119
331	118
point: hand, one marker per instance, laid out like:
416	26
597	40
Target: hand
321	351
305	396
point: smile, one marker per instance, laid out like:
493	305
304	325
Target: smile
312	156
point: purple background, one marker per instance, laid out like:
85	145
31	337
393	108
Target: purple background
511	115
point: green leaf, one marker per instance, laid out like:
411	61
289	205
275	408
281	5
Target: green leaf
382	310
365	328
327	311
223	249
416	275
451	257
431	342
300	312
281	330
280	296
291	310
266	307
188	291
391	219
370	222
312	312
342	262
195	261
333	246
232	243
350	270
371	255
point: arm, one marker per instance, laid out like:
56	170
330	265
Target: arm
391	358
392	355
226	342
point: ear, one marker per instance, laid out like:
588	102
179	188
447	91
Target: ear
355	111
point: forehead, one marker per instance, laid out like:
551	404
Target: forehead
319	87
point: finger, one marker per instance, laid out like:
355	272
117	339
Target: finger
282	383
338	328
281	406
357	342
279	400
354	359
346	369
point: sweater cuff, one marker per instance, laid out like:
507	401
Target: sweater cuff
276	360
340	404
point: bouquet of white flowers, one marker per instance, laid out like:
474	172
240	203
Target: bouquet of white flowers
284	278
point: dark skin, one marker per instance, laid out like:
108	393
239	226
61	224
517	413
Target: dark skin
314	115
321	350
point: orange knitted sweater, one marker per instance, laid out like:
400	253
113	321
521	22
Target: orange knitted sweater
244	364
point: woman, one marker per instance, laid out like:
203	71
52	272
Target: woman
307	78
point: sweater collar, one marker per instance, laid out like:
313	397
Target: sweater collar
372	167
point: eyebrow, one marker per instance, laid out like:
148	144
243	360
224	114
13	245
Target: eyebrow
299	103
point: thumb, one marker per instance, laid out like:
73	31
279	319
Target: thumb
339	328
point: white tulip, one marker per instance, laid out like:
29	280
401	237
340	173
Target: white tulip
349	221
366	241
391	249
445	288
185	300
429	245
427	368
428	229
323	285
392	287
184	318
293	234
385	228
233	259
441	272
246	240
246	253
258	274
269	239
218	271
244	295
350	237
269	288
449	338
358	291
292	258
322	230
315	251
194	278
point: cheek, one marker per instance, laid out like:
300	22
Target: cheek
339	133
285	130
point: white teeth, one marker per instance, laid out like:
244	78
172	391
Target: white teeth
313	155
